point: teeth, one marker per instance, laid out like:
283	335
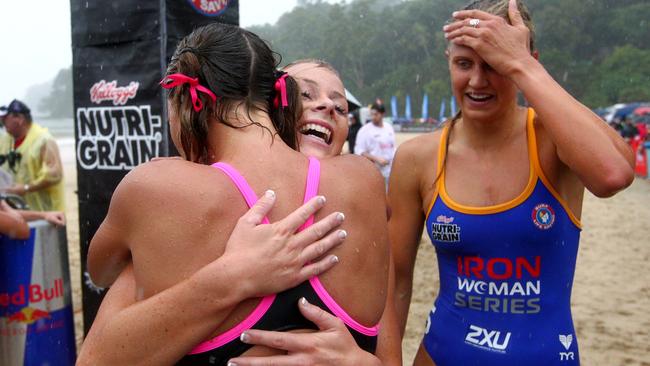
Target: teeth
318	128
479	96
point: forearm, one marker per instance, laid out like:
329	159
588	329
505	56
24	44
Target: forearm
44	182
389	347
589	147
403	291
32	215
161	329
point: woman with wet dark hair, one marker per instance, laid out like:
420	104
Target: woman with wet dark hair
172	218
499	190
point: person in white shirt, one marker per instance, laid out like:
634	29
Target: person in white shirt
376	141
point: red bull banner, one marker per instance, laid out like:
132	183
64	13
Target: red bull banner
120	52
36	318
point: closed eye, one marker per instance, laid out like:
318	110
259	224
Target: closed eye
464	64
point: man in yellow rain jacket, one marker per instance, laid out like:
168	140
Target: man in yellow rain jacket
30	154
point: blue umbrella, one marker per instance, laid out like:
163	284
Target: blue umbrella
453	105
441	117
393	107
407	112
425	107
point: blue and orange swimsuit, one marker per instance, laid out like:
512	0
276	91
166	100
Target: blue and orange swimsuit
506	273
278	312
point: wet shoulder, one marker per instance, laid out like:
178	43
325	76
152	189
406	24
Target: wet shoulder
169	180
356	171
421	149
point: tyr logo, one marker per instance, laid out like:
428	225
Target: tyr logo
491	339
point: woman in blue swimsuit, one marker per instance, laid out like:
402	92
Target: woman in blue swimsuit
500	189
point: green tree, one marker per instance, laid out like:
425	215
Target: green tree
59	102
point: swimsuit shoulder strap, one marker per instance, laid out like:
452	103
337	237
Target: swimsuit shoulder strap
311	186
240	182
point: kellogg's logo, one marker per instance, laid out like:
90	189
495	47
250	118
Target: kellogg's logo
210	8
109	91
543	216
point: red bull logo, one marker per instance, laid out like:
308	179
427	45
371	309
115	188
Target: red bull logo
28	315
32	294
211	8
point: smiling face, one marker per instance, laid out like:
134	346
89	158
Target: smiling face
323	127
482	93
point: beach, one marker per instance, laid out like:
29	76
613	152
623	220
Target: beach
611	293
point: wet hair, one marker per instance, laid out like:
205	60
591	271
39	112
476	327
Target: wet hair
317	62
498	8
240	69
378	107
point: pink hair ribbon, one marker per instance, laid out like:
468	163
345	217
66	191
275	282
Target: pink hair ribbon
281	91
173	80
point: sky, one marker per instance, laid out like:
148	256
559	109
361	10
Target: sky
35	38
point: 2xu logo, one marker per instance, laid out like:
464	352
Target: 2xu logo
491	339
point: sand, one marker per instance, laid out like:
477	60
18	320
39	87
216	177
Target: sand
611	291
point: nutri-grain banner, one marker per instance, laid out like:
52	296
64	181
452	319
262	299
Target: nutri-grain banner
120	51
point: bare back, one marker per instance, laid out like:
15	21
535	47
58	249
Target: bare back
175	217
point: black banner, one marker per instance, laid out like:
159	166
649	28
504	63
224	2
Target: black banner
120	51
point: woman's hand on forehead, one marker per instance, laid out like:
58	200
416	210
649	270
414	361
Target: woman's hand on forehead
501	45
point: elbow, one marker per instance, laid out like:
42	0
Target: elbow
19	231
22	233
613	182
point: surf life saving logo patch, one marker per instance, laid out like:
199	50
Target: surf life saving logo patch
444	230
210	8
543	216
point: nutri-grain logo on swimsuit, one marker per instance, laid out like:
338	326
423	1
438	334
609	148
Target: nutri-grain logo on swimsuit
210	8
118	136
444	230
543	216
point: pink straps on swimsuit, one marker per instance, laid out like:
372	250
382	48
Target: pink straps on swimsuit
311	190
338	310
261	309
234	332
241	184
311	187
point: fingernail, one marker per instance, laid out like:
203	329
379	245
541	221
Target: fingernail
343	234
335	259
269	194
303	301
321	200
340	216
230	363
445	28
446	35
454	14
243	337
